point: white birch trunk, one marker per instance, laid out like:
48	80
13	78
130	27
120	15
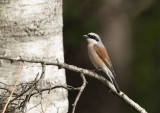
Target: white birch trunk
33	28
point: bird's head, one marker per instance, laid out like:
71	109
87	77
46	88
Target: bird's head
92	38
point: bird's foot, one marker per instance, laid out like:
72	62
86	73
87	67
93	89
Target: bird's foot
93	70
96	70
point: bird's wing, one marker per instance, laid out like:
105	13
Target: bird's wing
102	53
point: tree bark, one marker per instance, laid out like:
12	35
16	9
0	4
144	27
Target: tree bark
33	28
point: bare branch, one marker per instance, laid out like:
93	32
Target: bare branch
96	76
80	92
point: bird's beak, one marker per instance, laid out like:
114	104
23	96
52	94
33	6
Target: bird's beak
85	36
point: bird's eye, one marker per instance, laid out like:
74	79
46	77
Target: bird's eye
92	36
89	35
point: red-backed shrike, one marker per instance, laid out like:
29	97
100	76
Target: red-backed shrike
99	57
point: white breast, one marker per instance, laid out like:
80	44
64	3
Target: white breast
93	56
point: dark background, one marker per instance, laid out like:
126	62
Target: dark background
130	30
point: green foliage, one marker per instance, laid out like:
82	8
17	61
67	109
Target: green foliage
146	63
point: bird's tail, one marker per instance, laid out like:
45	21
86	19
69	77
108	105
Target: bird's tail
115	84
111	77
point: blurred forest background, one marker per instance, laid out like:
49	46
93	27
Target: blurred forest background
130	30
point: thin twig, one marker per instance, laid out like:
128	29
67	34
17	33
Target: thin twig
8	91
33	107
48	99
4	109
80	92
42	103
55	87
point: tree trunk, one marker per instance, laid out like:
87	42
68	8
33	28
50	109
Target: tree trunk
33	29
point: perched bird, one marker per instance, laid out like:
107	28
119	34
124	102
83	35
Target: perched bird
99	57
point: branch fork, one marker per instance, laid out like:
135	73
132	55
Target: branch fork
82	72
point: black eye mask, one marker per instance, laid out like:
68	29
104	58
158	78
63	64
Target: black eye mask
92	37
